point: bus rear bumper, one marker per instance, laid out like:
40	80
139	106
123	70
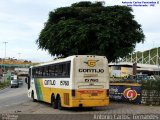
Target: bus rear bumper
90	103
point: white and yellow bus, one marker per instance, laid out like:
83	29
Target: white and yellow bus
75	81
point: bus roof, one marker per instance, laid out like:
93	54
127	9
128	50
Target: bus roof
64	59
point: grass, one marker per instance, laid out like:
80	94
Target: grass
151	85
4	84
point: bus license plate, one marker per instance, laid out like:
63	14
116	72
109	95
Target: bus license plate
93	94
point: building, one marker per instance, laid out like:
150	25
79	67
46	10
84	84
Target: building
124	69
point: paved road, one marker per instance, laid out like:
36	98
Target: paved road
42	111
15	101
13	96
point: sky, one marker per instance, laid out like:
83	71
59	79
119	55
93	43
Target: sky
22	20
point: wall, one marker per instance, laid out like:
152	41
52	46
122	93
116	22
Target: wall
150	97
125	71
119	71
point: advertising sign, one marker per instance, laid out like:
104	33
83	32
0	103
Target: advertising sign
125	92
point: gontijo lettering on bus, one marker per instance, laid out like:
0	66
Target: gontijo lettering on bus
49	82
91	70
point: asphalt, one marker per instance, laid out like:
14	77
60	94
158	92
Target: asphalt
14	103
12	96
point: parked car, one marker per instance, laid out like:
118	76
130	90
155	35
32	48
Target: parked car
14	84
20	82
151	77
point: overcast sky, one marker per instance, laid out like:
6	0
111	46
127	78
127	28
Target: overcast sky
22	20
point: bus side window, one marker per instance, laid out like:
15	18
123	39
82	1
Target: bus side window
41	72
64	70
51	70
36	72
68	69
56	70
60	70
46	71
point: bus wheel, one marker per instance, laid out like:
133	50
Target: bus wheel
59	104
34	100
54	103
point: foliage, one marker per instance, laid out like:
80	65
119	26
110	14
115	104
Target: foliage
91	28
151	85
4	84
153	53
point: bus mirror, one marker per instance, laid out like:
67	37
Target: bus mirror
28	82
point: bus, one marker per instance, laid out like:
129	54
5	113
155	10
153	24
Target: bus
75	81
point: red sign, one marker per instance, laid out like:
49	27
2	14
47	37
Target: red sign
130	94
90	91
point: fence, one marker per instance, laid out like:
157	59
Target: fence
150	97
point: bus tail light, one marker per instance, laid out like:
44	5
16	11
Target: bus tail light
107	92
73	93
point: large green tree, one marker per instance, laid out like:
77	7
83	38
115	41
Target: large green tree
91	28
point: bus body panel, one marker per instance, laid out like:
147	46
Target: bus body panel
32	89
91	81
88	80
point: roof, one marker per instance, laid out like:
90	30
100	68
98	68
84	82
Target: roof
147	67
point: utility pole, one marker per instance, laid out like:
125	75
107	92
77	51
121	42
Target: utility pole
4	52
19	55
4	57
19	60
5	49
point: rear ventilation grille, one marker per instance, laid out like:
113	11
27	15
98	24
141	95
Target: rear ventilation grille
66	98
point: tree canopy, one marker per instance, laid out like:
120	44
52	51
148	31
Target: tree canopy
91	28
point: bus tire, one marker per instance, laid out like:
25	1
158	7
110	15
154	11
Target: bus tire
53	102
59	104
33	99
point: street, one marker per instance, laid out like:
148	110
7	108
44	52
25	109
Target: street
13	96
15	101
